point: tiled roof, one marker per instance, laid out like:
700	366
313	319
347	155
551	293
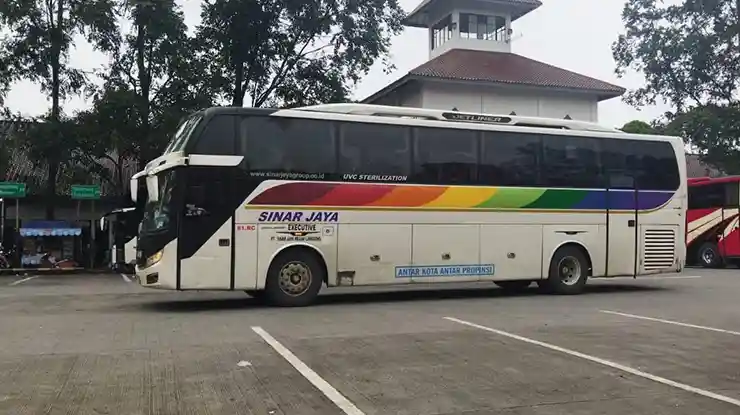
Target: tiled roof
22	169
509	68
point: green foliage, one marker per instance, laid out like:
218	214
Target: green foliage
153	81
282	53
687	52
714	131
40	34
638	127
689	55
291	53
36	47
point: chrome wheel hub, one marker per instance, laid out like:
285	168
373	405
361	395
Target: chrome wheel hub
569	270
295	278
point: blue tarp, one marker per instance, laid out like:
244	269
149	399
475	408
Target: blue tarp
49	228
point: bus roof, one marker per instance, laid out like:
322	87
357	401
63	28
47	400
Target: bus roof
368	110
703	181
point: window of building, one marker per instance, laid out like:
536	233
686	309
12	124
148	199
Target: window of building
476	26
445	156
442	32
374	149
510	159
571	162
218	137
276	144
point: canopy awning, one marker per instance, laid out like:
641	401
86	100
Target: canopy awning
50	228
51	232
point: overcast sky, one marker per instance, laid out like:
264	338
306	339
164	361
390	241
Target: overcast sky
574	35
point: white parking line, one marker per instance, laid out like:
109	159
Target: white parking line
23	280
339	400
126	278
677	277
604	362
675	323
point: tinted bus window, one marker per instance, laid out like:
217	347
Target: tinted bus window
510	159
218	137
707	196
374	149
445	156
659	168
621	163
274	144
571	162
732	195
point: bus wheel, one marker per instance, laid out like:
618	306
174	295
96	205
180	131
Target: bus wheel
294	278
709	256
513	285
568	272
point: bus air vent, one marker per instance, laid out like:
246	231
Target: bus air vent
659	249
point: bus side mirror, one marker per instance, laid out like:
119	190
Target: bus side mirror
134	189
102	224
152	188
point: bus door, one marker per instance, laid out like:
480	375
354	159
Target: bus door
206	229
621	231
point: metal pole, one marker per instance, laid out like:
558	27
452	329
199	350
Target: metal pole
18	230
2	222
92	234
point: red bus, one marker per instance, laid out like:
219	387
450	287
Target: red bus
712	234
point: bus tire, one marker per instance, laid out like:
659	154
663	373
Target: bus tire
709	256
513	286
568	272
294	278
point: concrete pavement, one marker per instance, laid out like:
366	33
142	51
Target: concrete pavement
98	345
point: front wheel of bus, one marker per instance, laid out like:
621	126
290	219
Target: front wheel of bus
294	279
568	272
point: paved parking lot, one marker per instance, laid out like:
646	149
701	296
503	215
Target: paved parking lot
99	345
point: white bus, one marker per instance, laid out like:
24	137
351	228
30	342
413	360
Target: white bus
279	203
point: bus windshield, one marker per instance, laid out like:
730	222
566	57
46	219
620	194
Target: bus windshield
180	138
157	214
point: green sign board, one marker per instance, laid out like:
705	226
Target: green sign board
12	190
85	192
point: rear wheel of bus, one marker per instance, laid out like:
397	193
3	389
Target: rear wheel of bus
568	271
294	278
709	256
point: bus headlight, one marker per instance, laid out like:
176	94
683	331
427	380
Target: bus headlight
153	259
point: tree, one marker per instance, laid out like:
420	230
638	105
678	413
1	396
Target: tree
290	53
689	54
40	35
714	132
152	83
106	135
638	127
